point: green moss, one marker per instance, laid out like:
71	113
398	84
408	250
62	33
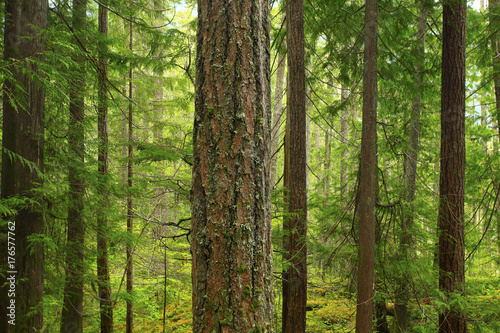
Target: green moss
257	329
247	291
257	303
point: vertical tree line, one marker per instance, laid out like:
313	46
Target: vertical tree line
23	164
103	278
72	310
452	173
295	228
130	183
367	193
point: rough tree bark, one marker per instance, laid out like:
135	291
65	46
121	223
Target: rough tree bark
71	316
410	173
103	278
231	216
23	140
452	173
368	174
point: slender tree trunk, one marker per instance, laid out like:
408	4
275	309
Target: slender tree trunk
327	164
21	277
297	194
286	229
130	198
103	278
231	216
308	135
71	317
277	112
164	287
368	174
410	173
452	180
344	138
353	135
495	8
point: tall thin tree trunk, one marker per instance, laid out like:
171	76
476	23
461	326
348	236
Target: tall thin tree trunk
297	194
452	180
103	278
71	317
23	138
495	7
286	228
130	198
410	173
353	135
327	166
344	138
277	112
368	174
231	215
308	133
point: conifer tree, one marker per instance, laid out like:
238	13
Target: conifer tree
22	165
72	311
368	174
231	220
295	228
103	277
130	198
452	172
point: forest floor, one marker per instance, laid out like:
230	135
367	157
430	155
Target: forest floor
330	310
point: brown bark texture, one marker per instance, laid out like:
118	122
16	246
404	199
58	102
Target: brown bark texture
231	216
71	316
103	278
368	174
452	173
23	140
294	320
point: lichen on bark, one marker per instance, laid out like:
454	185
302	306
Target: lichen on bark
231	219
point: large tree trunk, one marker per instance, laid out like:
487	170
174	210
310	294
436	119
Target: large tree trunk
231	216
368	174
23	140
103	278
452	179
295	317
410	173
71	317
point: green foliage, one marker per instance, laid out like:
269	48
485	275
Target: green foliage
163	62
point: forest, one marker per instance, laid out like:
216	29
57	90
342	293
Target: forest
250	166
